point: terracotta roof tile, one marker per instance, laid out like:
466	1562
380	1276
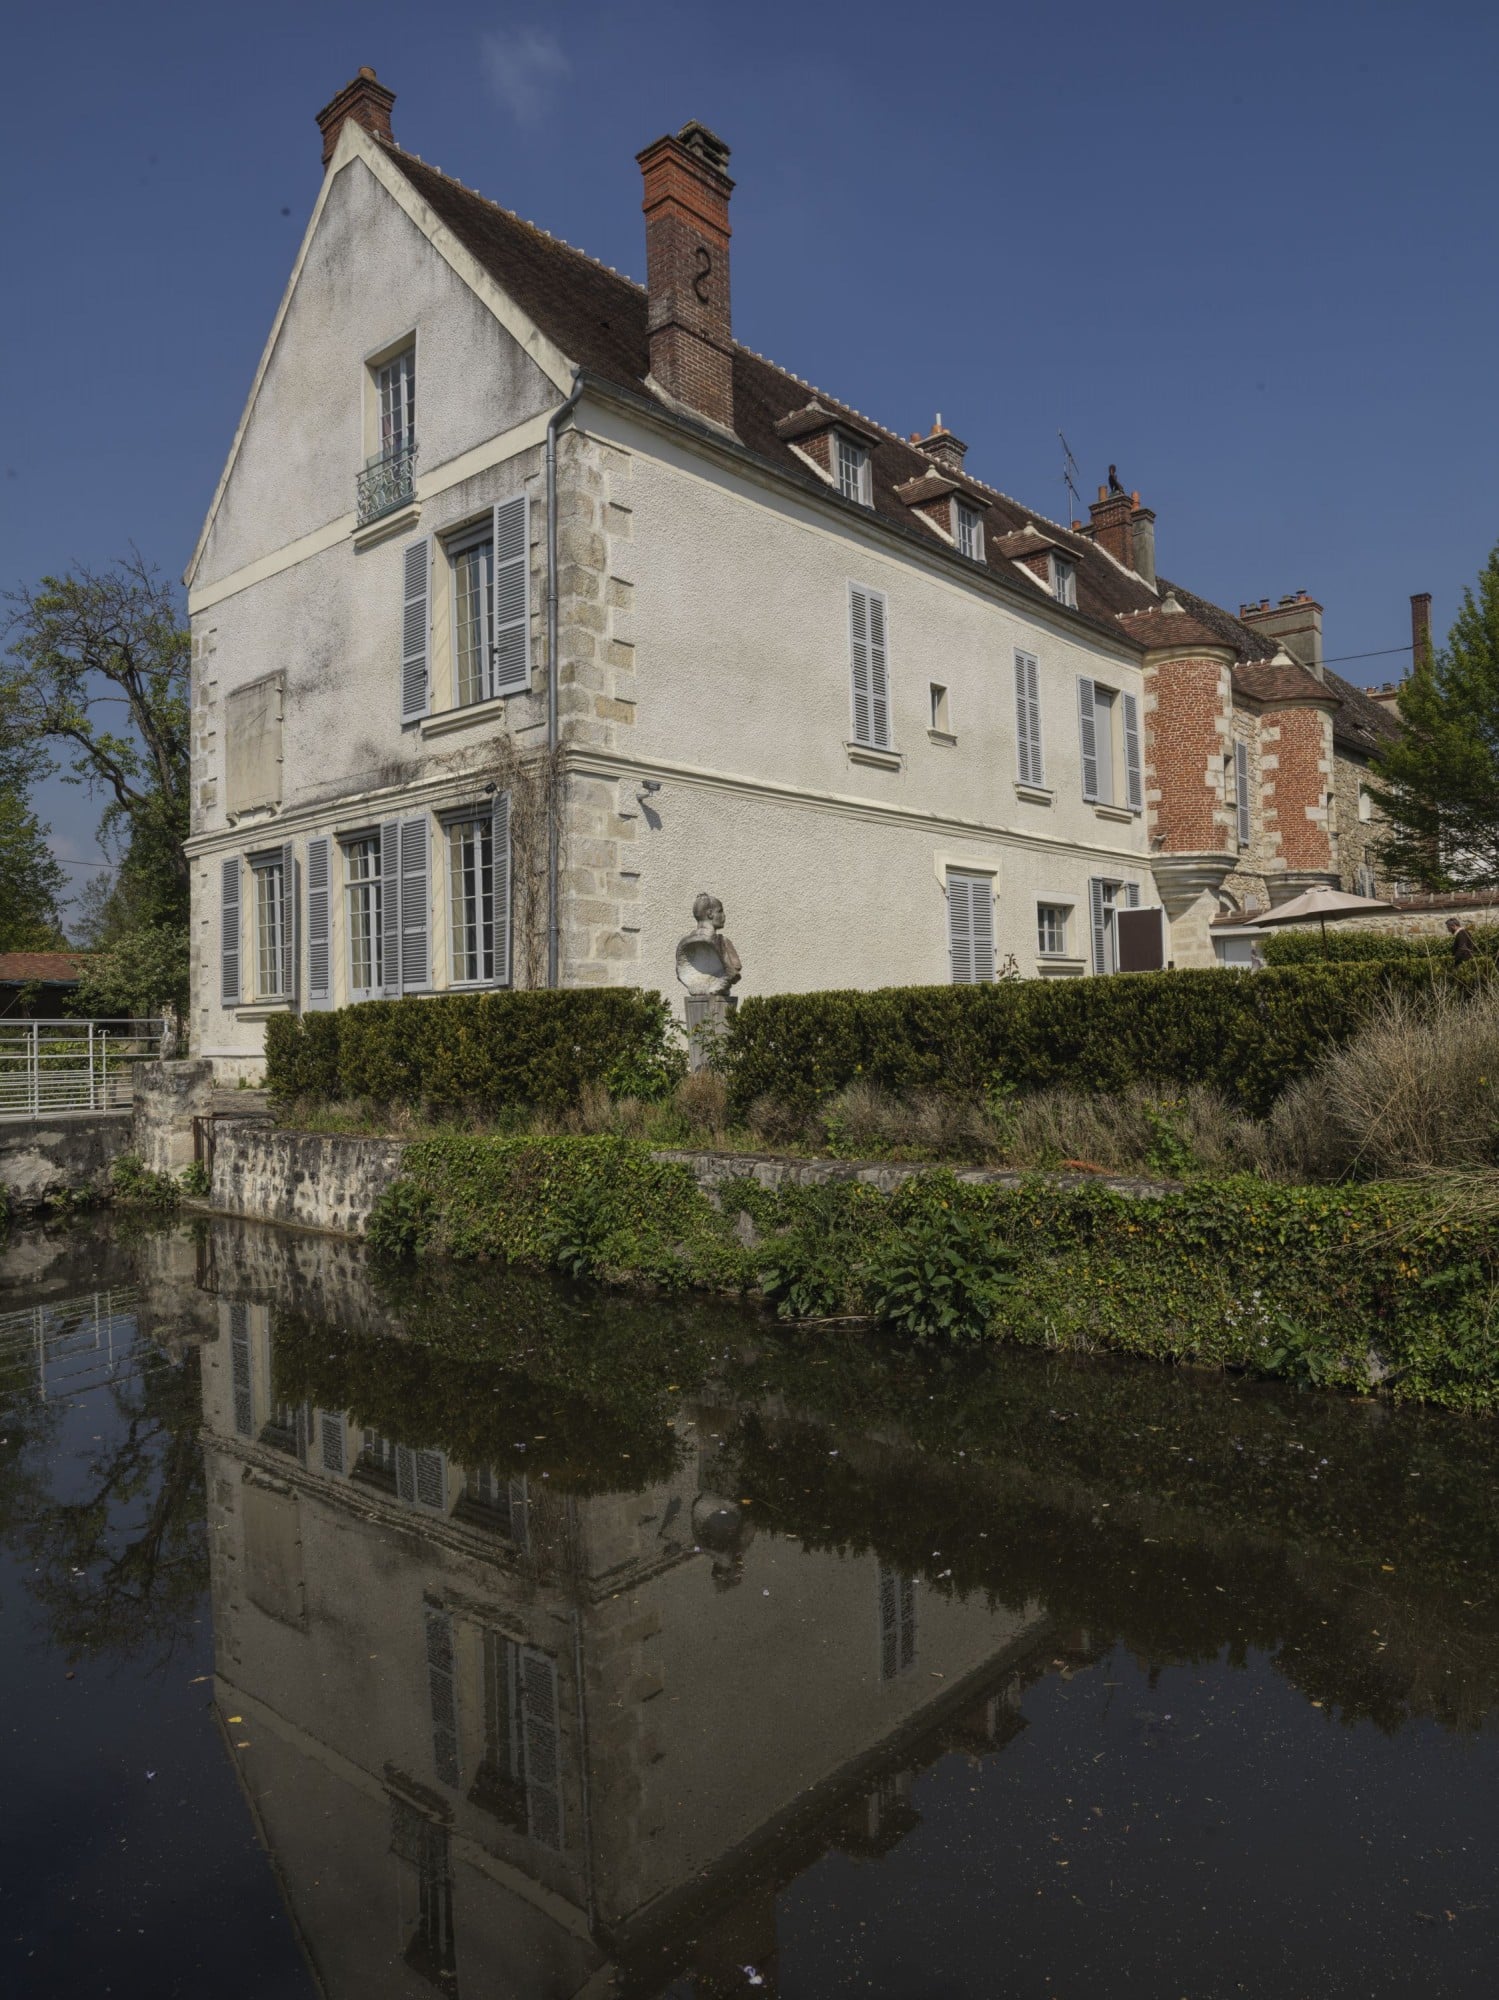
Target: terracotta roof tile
20	968
1162	626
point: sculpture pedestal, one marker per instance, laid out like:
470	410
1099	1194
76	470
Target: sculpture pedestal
707	1018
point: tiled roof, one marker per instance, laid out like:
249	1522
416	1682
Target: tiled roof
21	968
598	319
1272	681
1163	626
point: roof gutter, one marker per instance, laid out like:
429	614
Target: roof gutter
554	804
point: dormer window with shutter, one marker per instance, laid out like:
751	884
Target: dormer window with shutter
852	459
968	530
1064	580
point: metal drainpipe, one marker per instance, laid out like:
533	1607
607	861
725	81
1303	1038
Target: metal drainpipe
554	914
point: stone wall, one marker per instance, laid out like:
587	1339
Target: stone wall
70	1152
316	1180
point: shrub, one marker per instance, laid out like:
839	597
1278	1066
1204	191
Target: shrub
482	1054
1418	1089
1307	946
131	1180
1247	1035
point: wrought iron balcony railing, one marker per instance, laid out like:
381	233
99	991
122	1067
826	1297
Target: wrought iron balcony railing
388	481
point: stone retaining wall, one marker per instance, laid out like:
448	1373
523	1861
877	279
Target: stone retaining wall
316	1180
70	1152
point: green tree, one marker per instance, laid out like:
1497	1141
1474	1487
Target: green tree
96	671
31	882
1438	785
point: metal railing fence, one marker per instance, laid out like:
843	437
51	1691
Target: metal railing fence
71	1065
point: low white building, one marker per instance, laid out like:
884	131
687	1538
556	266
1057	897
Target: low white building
530	605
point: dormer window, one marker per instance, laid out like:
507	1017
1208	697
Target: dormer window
1064	581
968	530
853	470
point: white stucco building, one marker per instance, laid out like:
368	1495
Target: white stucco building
529	605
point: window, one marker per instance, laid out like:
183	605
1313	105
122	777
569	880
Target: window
970	530
1051	929
1365	805
395	397
479	897
1364	883
1109	725
1064	581
442	1694
870	667
897	1623
940	711
1241	791
853	470
1105	898
970	927
473	597
270	928
362	916
1029	768
521	1776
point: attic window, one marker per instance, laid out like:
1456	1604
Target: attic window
853	470
1064	581
968	530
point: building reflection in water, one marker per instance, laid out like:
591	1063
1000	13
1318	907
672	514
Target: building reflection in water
504	1737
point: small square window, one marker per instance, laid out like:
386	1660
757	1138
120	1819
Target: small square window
970	531
853	471
940	711
1051	929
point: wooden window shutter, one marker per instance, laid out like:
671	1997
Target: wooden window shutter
406	1474
332	1436
1098	912
500	879
1134	775
1241	789
541	1746
1088	728
1028	764
319	922
416	569
290	956
229	935
510	655
879	672
858	616
970	928
239	1353
415	901
390	907
442	1694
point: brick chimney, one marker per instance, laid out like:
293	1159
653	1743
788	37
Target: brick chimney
687	271
1295	623
1420	626
1112	516
1142	539
940	443
364	100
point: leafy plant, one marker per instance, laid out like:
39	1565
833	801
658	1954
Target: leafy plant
943	1275
194	1179
131	1180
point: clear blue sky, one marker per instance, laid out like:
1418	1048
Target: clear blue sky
1246	253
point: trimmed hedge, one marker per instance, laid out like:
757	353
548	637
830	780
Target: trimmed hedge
1248	1034
489	1053
1307	946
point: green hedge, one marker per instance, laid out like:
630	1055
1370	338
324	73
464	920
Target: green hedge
1341	1287
1306	946
1249	1034
488	1053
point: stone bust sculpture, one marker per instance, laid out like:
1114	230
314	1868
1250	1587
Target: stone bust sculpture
706	961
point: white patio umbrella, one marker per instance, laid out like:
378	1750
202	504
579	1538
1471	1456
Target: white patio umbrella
1317	904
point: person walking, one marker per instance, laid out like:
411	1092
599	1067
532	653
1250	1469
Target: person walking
1463	947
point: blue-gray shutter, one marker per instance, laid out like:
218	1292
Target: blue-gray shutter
541	1746
415	899
1088	727
970	928
858	625
230	922
289	903
333	1438
239	1358
510	654
1241	789
1028	763
1097	912
499	847
879	672
1134	777
390	907
442	1694
319	922
416	567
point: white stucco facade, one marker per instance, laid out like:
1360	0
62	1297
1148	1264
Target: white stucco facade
704	673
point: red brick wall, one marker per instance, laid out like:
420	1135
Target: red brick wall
1187	728
1297	752
687	278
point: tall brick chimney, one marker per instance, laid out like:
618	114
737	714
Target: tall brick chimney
1420	626
364	100
1295	622
1112	516
687	270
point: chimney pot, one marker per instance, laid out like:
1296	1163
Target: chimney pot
367	101
941	445
686	203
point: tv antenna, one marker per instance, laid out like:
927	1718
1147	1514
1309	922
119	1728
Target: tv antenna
1070	476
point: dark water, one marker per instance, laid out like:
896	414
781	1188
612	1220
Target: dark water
371	1634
